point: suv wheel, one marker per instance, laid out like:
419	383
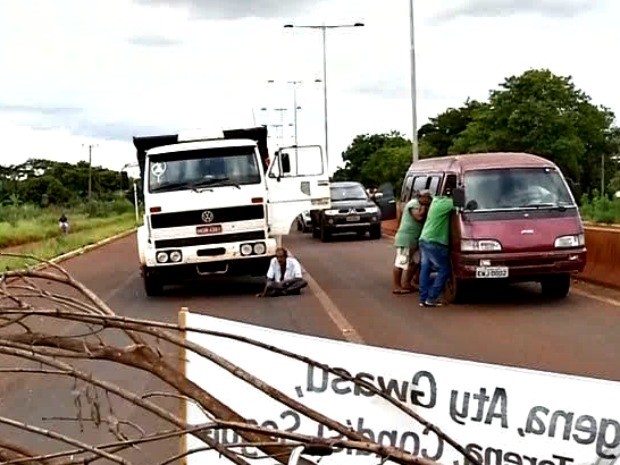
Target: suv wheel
325	234
375	231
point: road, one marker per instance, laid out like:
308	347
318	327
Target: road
349	298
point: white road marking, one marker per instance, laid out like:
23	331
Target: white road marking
589	295
345	327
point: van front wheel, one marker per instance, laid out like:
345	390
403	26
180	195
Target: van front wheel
556	287
454	291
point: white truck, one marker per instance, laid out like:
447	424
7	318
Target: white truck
218	204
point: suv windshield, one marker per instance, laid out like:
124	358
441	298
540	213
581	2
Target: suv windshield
353	192
514	188
193	169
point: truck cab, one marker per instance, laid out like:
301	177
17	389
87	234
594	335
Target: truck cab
218	205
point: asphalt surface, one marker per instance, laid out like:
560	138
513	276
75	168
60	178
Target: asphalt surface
349	298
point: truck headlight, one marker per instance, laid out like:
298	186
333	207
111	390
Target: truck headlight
483	245
246	249
162	257
372	209
575	240
176	256
259	248
331	212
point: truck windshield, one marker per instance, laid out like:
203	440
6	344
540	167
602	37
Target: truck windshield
234	166
353	192
515	188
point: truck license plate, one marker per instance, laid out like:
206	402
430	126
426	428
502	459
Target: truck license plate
492	272
353	218
209	229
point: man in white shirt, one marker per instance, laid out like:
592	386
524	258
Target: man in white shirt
284	276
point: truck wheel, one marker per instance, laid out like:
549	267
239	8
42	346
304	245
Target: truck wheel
375	232
152	285
325	234
556	287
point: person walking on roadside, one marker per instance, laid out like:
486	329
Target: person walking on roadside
406	241
63	223
284	276
435	248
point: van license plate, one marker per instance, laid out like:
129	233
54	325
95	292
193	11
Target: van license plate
215	229
492	272
353	218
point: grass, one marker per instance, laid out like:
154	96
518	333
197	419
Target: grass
601	210
45	243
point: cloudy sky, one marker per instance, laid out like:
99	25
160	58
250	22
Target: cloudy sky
76	72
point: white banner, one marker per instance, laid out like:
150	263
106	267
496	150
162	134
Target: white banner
502	415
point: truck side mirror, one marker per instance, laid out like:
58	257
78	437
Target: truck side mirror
286	163
458	197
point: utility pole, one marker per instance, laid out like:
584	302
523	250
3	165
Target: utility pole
414	115
90	170
323	28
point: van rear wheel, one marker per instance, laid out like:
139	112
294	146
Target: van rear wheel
556	287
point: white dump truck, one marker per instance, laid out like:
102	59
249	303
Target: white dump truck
216	204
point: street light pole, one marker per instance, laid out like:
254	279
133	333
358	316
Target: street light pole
90	169
323	28
414	115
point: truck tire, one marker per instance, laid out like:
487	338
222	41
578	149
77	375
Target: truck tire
556	287
152	285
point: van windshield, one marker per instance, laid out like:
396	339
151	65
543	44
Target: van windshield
515	188
231	166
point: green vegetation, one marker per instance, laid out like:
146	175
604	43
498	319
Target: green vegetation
600	209
536	112
48	243
34	194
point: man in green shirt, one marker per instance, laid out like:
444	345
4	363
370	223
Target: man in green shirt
406	241
435	249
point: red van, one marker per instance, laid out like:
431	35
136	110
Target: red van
516	219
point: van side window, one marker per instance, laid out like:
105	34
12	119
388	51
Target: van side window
405	195
419	183
433	184
450	183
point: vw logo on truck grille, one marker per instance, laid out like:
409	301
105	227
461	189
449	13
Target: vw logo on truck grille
207	216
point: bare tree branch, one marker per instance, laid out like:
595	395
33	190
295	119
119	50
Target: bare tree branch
63	438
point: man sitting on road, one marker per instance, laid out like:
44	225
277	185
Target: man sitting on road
284	276
406	241
435	248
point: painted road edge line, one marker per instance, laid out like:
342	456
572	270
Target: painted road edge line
349	333
589	295
341	322
87	248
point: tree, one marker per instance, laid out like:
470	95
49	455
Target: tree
388	164
58	182
53	326
437	136
544	114
360	151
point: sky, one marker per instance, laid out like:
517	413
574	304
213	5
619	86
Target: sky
75	73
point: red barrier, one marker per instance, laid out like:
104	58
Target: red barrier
603	262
